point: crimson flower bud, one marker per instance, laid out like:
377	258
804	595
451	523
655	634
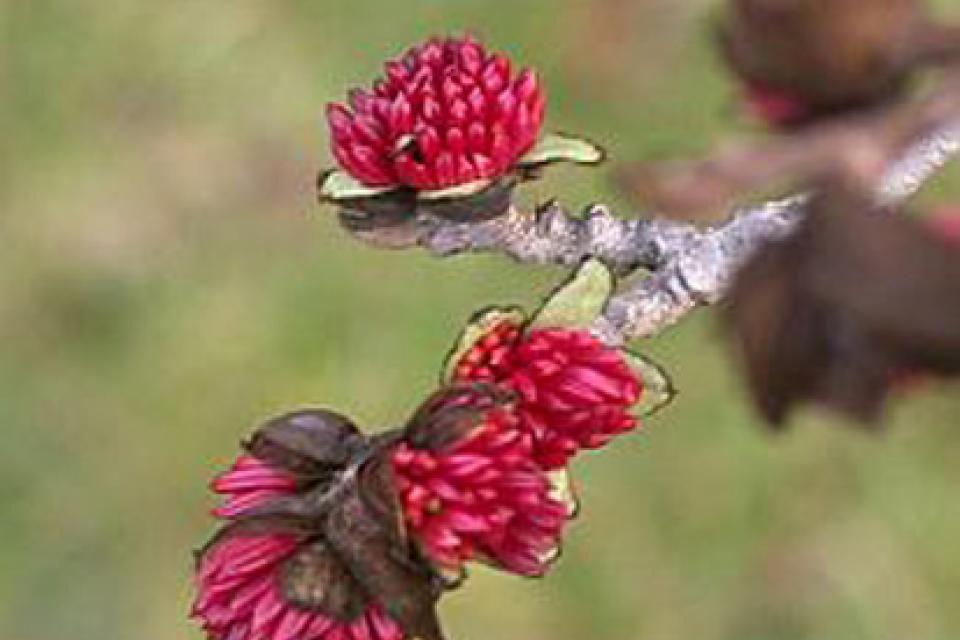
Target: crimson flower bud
481	497
573	391
447	113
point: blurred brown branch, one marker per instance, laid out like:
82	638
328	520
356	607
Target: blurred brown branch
858	149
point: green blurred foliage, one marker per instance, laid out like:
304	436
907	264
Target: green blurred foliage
166	281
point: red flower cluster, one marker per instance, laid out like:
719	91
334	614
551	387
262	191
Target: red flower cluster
574	391
484	497
447	113
238	592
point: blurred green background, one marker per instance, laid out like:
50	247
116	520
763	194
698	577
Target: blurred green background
166	281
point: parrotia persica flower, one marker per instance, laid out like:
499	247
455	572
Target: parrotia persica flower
273	572
480	496
331	535
448	130
244	581
573	392
446	113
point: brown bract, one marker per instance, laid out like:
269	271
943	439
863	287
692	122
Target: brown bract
451	414
365	528
312	444
839	312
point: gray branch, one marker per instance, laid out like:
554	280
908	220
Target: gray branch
677	267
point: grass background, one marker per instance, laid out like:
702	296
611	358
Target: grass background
166	281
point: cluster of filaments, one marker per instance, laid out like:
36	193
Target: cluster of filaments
446	113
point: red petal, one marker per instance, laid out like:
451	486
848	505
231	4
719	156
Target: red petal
446	169
467	523
501	150
397	72
367	130
451	89
361	101
538	110
456	141
385	628
477	103
293	623
246	599
506	105
431	53
381	110
371	165
431	109
319	626
526	564
265	616
247	480
610	386
445	491
360	630
464	464
485	166
401	116
546	367
459	112
429	144
495	75
524	129
466	172
340	120
442	537
237	504
471	58
477	140
526	86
